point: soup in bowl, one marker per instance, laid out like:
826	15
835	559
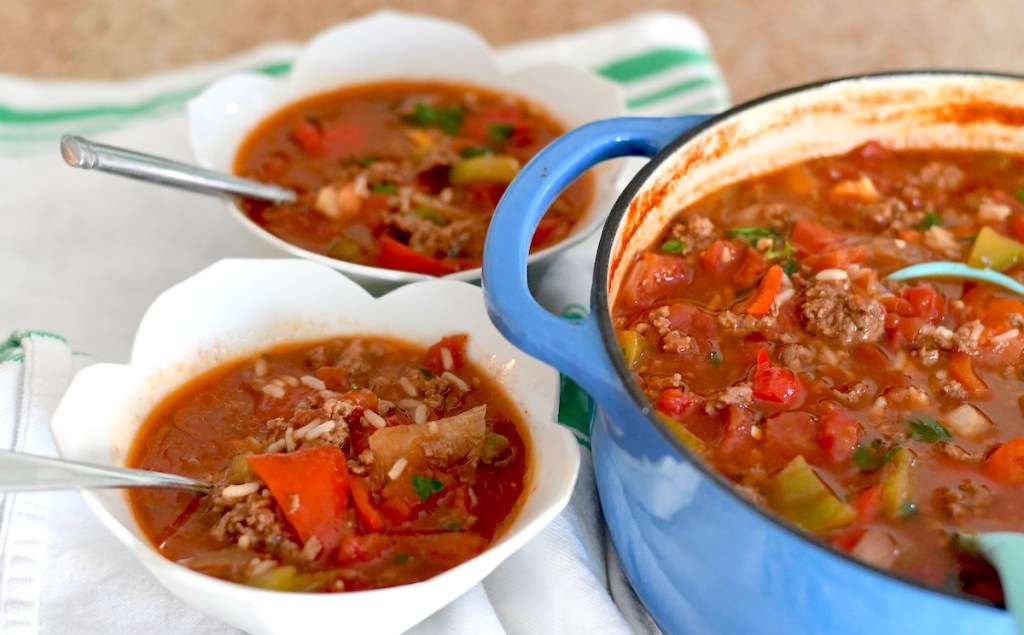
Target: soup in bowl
777	417
373	458
399	134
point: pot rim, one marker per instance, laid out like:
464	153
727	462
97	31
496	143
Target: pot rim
600	298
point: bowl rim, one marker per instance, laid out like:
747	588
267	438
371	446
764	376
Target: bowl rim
600	300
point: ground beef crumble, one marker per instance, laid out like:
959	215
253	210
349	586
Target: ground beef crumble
830	309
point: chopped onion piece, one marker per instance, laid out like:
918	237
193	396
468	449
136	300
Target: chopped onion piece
967	421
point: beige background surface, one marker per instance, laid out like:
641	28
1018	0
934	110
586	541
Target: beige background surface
761	45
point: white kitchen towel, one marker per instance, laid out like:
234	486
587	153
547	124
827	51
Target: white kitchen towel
66	238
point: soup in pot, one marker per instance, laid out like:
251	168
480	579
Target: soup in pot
883	417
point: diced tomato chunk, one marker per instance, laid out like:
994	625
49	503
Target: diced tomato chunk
838	436
362	397
434	359
675	402
717	257
774	383
309	135
788	434
836	258
1015	226
752	267
654	277
810	237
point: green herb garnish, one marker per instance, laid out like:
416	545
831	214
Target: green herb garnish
790	267
500	131
401	558
715	357
474	151
426	372
426	116
753	234
673	246
384	188
907	509
425	487
786	251
928	429
929	220
869	458
1020	194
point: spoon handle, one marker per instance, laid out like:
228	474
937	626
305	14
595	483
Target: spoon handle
88	155
28	472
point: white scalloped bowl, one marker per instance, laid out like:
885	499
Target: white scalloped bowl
237	307
391	46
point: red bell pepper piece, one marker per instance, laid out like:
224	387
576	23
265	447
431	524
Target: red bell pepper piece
312	487
395	255
767	289
365	511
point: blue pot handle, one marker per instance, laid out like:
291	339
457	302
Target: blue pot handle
572	346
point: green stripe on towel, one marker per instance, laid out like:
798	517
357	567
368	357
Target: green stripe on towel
18	116
651	63
671	91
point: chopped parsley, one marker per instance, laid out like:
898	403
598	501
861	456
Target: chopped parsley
425	487
401	558
790	267
673	246
447	119
384	188
929	220
715	357
786	251
500	131
928	429
869	458
426	372
907	509
1020	194
753	234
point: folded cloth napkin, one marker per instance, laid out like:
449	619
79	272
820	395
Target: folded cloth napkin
60	571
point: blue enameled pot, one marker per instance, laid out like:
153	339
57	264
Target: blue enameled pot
702	558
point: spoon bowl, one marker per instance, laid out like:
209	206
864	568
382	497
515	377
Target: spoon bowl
28	472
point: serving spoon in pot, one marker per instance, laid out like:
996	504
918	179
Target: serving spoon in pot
959	271
88	155
28	472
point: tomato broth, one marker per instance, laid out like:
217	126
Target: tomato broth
348	464
401	175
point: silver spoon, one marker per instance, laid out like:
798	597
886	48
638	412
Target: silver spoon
85	154
28	472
